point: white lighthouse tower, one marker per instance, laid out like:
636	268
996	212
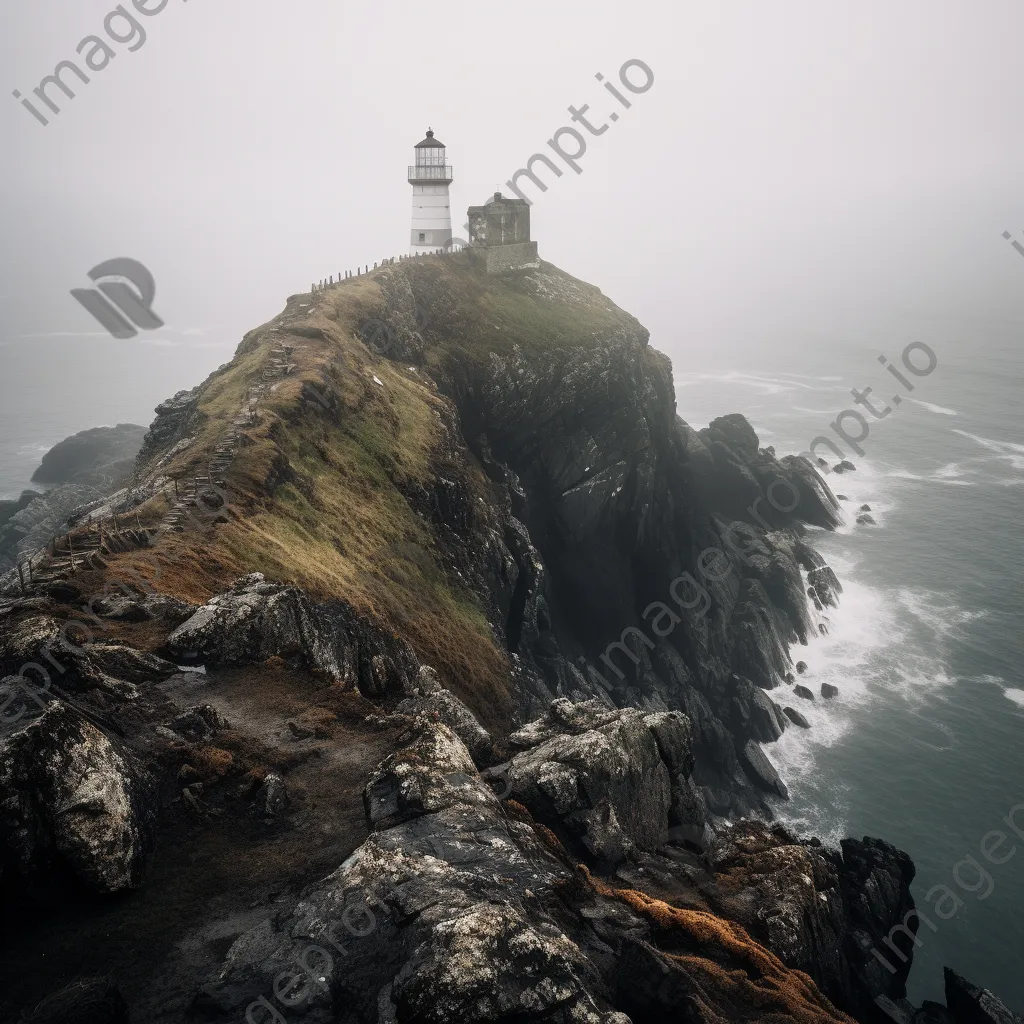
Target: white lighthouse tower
430	177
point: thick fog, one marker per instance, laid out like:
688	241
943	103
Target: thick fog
796	172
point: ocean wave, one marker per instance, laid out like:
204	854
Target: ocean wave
1008	450
769	385
934	611
934	408
950	474
1017	696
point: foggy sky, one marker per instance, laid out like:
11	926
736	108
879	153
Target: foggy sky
799	170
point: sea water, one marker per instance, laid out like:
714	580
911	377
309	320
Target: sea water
923	747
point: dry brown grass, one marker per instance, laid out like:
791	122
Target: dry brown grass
318	498
759	981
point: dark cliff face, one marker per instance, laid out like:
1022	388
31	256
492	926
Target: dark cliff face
490	642
652	565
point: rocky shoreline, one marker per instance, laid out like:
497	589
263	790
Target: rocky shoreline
552	804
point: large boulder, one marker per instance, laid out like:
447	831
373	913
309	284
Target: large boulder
431	700
820	911
610	778
75	801
256	620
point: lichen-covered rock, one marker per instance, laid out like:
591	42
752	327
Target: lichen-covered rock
616	780
488	964
272	797
131	607
44	653
820	911
123	662
73	799
443	705
459	911
256	620
435	772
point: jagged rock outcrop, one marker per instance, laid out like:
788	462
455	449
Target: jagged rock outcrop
641	562
257	620
175	418
41	652
438	916
819	910
601	777
460	907
431	700
968	1003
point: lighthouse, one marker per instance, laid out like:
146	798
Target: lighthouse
430	175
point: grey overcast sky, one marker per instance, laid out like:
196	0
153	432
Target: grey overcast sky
796	165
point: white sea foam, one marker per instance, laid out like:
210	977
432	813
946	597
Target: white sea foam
849	658
874	655
941	409
951	474
936	612
767	385
1017	696
1008	450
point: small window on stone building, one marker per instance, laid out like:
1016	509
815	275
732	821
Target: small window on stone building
423	237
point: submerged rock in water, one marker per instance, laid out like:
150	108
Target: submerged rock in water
796	718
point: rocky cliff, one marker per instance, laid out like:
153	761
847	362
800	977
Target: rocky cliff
431	684
76	471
